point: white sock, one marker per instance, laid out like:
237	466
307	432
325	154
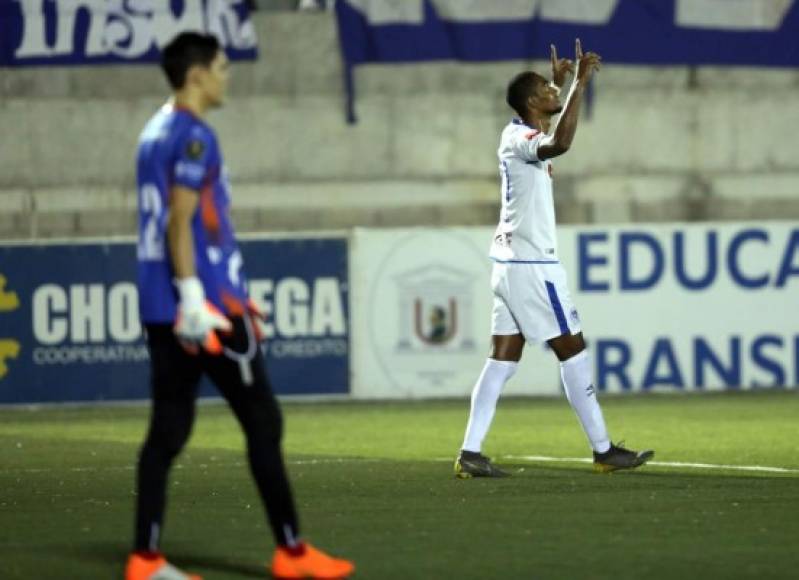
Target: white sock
484	401
578	382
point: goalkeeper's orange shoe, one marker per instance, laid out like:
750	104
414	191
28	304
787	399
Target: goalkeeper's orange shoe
154	568
308	562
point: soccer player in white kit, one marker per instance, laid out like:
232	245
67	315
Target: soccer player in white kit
531	297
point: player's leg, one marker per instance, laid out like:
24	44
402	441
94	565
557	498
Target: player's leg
560	327
577	375
174	379
576	372
507	344
240	375
506	351
241	379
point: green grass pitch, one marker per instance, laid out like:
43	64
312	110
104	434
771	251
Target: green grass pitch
374	483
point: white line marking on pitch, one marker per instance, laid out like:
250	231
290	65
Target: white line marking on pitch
342	460
544	458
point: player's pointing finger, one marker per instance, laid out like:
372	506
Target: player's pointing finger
578	49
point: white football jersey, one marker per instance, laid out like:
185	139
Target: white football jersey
526	230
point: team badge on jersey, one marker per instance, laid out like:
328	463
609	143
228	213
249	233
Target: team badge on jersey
195	149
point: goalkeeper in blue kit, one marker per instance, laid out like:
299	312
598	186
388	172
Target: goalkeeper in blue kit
198	316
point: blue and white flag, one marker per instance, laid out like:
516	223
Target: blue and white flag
78	32
656	32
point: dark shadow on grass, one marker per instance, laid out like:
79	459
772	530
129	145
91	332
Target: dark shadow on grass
115	554
218	564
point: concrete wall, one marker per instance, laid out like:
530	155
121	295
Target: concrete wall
660	144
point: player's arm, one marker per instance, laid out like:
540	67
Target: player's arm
191	165
561	138
197	318
182	205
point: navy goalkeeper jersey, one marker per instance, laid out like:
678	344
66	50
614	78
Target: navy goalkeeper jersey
178	148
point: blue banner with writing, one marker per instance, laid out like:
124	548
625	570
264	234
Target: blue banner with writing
656	32
70	331
54	32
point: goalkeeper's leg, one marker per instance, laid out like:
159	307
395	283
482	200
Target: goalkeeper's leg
241	377
174	379
175	376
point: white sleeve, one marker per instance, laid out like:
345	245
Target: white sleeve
524	143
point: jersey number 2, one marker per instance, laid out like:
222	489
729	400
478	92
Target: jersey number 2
151	239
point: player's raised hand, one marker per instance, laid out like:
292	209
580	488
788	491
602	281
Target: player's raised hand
587	63
560	67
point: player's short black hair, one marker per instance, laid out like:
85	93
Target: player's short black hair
522	86
184	51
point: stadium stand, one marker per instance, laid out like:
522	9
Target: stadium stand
422	152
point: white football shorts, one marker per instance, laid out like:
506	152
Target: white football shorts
532	299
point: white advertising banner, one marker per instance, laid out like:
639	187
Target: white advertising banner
667	307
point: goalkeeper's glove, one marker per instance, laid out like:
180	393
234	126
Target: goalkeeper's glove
198	320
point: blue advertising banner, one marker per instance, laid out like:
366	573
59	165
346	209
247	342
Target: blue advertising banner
56	32
70	331
656	32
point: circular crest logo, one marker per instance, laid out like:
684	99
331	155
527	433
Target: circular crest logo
426	308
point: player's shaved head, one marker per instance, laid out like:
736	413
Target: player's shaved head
187	49
522	87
